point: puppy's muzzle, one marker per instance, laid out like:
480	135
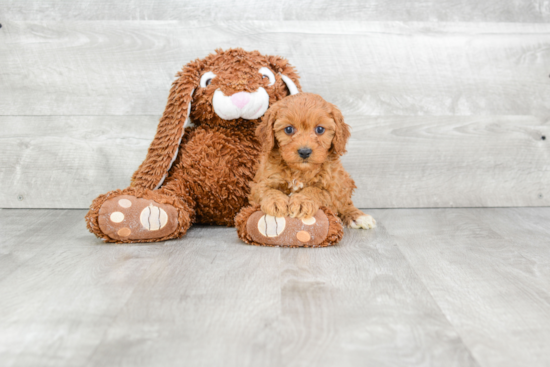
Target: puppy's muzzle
304	152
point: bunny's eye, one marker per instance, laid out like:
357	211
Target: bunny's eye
319	130
206	79
289	130
266	73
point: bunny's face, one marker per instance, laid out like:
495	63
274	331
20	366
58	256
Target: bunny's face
231	89
234	88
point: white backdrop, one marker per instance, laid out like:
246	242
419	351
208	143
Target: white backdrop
448	101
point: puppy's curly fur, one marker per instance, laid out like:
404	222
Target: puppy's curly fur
303	138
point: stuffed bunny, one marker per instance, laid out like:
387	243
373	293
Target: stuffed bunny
199	173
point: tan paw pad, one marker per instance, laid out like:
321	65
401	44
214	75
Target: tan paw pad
308	221
117	217
303	236
124	232
125	203
271	226
153	218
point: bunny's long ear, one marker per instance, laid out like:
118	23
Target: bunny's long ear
164	148
288	73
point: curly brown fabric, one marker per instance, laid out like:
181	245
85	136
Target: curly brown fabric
241	221
205	170
236	70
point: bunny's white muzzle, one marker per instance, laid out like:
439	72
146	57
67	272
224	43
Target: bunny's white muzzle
249	106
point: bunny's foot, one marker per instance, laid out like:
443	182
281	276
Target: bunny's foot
256	228
134	215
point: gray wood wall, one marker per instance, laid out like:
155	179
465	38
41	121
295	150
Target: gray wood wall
449	100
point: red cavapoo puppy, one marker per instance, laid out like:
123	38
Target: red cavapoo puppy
303	138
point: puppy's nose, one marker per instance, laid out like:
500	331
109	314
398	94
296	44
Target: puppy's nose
304	152
240	99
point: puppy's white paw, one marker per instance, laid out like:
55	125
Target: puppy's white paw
364	222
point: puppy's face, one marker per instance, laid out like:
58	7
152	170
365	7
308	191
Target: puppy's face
304	137
305	129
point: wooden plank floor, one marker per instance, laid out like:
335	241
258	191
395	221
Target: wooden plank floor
428	287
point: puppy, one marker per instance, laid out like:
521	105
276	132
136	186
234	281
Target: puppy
303	138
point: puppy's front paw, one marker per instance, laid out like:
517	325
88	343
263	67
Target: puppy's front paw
300	206
363	222
277	206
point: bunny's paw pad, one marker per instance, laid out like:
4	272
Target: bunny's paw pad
128	218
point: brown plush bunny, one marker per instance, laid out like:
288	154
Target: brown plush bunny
200	173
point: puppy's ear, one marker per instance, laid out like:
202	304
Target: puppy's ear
164	148
341	134
264	131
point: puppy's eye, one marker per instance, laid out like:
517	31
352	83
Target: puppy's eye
208	81
319	130
289	130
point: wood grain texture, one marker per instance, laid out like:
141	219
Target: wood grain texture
134	305
455	161
428	287
66	161
445	161
210	300
218	10
366	68
360	303
489	271
206	300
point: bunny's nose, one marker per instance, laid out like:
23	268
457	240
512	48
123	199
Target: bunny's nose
240	99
